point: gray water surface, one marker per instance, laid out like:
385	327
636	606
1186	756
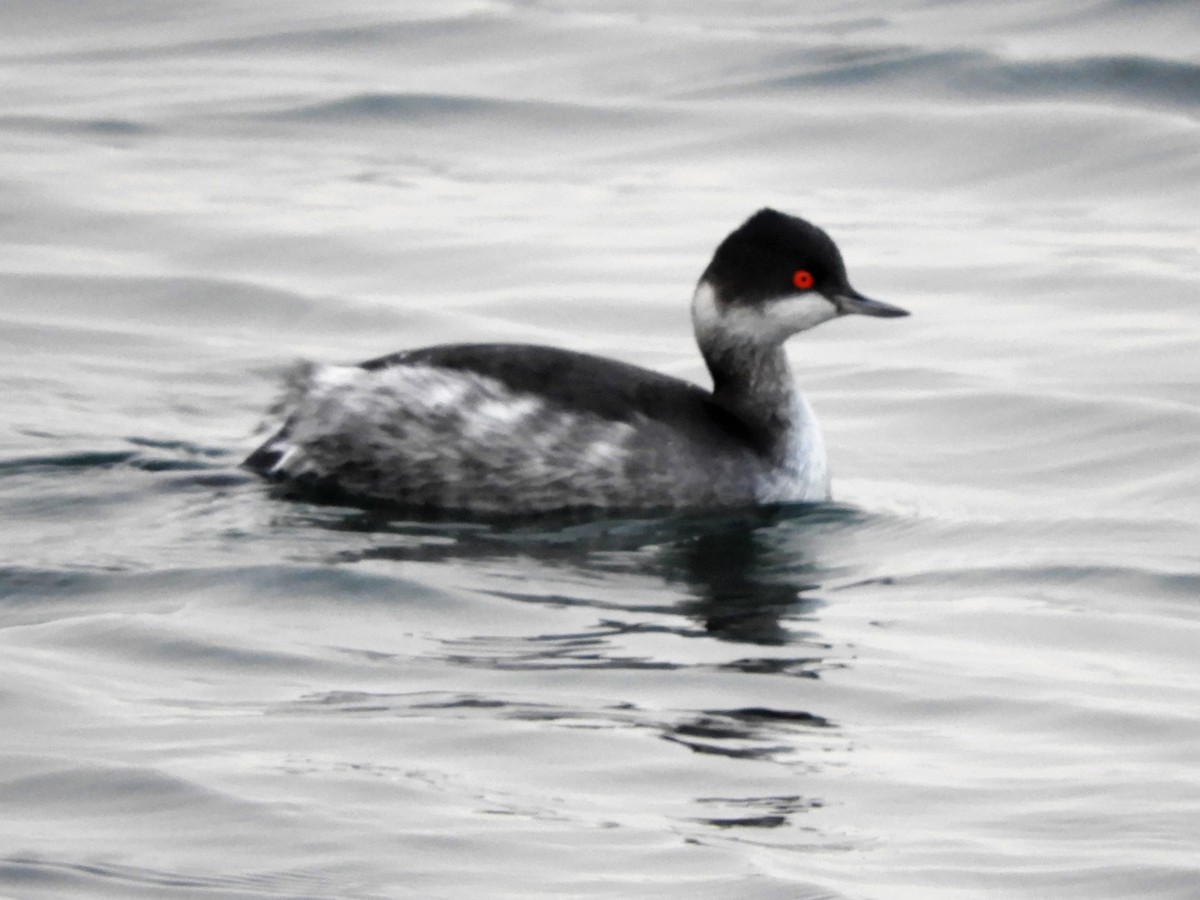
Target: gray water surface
974	675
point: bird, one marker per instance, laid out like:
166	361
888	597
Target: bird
521	429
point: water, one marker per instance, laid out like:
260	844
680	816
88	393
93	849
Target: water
974	675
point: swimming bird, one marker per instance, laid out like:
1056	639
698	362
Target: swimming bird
522	429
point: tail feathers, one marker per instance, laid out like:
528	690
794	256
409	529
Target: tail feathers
272	458
289	456
282	459
267	458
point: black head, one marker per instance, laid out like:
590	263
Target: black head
774	256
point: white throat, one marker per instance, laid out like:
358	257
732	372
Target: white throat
766	324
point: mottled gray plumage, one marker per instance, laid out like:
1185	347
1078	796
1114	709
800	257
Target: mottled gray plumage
513	429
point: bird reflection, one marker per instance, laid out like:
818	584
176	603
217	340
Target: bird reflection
750	579
743	575
744	583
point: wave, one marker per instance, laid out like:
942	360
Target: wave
441	108
1118	580
985	76
62	125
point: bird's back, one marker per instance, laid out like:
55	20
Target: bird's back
510	429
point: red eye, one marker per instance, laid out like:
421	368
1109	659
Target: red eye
803	279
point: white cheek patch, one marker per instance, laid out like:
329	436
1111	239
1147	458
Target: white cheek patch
771	322
800	312
706	316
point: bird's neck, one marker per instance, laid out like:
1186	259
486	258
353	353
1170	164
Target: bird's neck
751	376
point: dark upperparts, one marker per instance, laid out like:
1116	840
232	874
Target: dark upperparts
585	384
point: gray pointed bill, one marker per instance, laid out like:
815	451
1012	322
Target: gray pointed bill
854	302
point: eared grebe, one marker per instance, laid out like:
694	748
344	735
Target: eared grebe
514	428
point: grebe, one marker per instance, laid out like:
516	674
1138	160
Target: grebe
519	429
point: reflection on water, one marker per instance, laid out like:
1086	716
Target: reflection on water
745	578
741	574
